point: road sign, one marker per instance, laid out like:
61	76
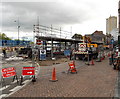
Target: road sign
67	52
38	42
82	47
28	71
8	72
42	54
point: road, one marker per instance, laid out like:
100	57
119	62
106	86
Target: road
7	84
10	87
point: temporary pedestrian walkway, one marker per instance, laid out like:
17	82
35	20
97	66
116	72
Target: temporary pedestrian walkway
98	80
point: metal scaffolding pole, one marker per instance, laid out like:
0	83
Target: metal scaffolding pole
51	44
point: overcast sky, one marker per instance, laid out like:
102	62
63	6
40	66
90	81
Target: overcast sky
84	16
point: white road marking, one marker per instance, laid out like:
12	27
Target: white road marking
26	81
3	95
38	70
3	88
16	88
14	82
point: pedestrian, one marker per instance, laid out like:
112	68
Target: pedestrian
11	51
85	57
70	54
112	58
4	52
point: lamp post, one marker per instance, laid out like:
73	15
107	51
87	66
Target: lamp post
18	26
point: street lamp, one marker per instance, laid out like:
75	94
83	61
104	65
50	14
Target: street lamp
18	26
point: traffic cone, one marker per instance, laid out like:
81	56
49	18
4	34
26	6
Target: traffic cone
92	62
33	79
53	76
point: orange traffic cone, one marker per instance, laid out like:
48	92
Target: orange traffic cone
53	76
92	62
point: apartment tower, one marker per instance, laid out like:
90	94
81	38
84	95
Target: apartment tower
111	23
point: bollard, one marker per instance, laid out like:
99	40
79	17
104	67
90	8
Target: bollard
21	80
33	79
15	77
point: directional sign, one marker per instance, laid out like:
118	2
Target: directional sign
28	71
8	72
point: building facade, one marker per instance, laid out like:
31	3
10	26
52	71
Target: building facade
119	25
114	34
111	23
97	36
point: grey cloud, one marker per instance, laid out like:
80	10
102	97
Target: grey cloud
56	13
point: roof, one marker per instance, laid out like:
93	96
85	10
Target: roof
58	39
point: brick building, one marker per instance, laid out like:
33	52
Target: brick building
97	36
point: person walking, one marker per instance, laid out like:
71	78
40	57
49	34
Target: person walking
4	52
112	57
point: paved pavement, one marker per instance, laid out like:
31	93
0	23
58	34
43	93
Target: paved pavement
97	80
117	89
119	84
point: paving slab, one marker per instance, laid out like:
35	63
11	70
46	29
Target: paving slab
91	81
